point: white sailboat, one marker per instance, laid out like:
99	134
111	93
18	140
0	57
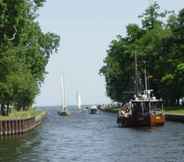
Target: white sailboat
78	101
63	111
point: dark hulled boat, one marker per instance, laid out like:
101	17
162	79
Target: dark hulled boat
143	110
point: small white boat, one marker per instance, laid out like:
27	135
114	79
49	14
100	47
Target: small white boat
93	109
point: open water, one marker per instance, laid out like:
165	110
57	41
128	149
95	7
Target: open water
84	137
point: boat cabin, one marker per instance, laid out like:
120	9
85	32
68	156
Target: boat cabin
149	106
142	111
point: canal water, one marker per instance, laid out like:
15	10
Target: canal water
84	137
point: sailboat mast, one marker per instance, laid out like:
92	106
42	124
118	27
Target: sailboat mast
78	101
136	74
63	94
145	78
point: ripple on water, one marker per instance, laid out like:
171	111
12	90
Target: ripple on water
83	137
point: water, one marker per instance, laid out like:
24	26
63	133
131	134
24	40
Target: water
83	137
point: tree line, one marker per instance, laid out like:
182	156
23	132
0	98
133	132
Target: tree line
158	44
24	53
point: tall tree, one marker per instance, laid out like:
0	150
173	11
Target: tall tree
157	43
24	52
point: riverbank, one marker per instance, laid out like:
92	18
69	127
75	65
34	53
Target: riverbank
175	114
17	115
177	110
171	113
19	122
111	110
167	110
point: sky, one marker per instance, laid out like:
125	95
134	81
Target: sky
86	28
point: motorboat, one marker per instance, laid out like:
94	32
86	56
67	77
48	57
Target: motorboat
143	110
93	109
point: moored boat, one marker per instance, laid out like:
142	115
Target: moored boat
93	109
143	110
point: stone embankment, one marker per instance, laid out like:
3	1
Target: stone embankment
176	118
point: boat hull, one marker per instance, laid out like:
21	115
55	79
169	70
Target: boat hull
93	111
142	120
63	113
157	120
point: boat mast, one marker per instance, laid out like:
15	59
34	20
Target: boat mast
136	74
63	94
145	78
78	101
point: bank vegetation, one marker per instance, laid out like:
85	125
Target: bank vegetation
24	53
158	43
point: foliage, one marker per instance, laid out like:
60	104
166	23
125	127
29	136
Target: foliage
159	46
14	115
24	52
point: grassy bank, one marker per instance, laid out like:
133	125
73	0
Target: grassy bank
14	115
112	110
177	110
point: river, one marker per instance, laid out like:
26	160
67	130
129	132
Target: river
83	137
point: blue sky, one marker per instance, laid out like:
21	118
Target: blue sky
86	28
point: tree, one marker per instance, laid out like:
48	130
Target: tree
158	45
24	52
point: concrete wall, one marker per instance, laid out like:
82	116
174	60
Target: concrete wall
177	118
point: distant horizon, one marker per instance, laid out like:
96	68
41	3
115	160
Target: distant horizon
67	105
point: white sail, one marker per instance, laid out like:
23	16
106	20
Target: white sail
63	95
78	101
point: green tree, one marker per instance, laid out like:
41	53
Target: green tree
24	52
158	45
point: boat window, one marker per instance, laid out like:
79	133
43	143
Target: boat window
146	107
137	107
156	106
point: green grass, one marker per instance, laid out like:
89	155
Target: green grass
177	110
171	108
112	110
14	115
